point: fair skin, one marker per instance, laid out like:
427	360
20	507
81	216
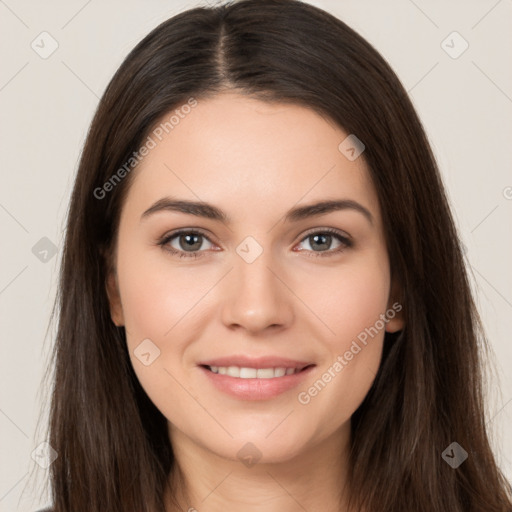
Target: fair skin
255	161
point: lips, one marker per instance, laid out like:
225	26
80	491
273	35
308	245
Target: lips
260	378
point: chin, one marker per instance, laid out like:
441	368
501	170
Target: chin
259	447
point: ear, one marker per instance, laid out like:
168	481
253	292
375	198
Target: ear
395	313
114	298
112	288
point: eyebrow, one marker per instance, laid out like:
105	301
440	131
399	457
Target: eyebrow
209	211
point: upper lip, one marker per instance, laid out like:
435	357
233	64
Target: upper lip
256	362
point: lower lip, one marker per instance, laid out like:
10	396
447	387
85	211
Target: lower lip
256	389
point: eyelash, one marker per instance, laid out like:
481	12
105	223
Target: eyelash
345	243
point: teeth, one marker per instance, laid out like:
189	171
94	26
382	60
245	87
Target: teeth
253	373
249	373
233	371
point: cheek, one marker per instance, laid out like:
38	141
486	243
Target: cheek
157	307
352	307
156	295
352	299
162	302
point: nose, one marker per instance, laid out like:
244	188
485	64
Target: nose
255	296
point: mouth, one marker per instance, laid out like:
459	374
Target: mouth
262	380
244	372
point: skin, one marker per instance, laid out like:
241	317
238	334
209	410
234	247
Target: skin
255	161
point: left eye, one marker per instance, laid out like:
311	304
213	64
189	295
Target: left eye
190	243
321	239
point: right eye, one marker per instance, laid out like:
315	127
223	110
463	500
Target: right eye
184	239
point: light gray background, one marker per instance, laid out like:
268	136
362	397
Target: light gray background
46	106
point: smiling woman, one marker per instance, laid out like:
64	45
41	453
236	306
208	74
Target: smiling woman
262	297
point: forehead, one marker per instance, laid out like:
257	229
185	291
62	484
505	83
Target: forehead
233	149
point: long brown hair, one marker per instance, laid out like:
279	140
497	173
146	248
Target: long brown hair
114	452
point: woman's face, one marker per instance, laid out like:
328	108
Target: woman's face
254	281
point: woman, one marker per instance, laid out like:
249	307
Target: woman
263	302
